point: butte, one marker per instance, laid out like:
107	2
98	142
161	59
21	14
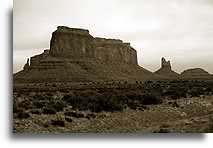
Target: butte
77	56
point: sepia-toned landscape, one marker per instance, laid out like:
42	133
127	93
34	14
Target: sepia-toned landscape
87	84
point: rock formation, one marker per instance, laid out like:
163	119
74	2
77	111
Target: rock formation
195	73
166	70
78	44
27	65
165	64
75	55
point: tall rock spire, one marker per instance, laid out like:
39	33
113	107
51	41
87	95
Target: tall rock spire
166	69
165	64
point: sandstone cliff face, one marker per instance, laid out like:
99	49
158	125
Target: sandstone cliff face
71	43
109	50
166	70
75	55
78	44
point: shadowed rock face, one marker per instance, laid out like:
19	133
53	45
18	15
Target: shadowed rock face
166	70
75	55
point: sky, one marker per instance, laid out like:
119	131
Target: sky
179	30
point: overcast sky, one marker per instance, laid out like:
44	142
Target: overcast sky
179	30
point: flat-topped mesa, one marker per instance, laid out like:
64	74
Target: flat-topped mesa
77	56
77	44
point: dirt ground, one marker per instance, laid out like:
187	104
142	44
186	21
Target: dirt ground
193	115
189	114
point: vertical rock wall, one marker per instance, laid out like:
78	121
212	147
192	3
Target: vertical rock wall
78	44
109	50
70	43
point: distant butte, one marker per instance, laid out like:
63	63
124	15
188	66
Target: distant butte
195	73
75	55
